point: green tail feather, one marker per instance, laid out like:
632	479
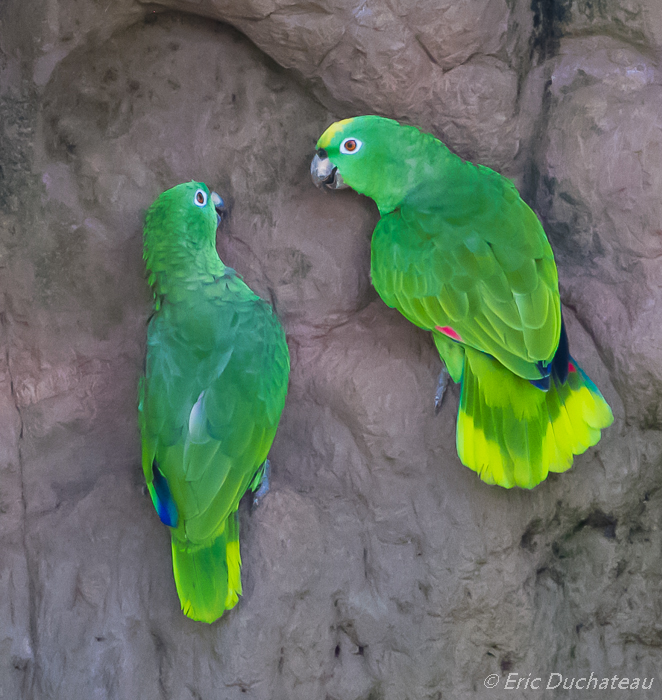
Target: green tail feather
513	434
208	579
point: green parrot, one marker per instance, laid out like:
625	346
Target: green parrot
214	388
459	253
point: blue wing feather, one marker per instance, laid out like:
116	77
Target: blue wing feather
162	498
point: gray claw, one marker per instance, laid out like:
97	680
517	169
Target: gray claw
263	489
442	384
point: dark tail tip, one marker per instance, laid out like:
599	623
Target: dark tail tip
562	357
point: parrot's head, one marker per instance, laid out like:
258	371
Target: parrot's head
375	156
184	217
187	212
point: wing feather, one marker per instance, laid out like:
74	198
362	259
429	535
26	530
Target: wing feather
477	261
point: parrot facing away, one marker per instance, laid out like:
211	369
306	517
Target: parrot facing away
459	253
214	388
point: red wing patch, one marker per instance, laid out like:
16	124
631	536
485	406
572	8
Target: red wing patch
447	330
571	367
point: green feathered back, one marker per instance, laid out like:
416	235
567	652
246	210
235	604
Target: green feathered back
214	388
476	260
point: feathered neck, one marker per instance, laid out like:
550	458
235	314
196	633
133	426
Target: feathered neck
179	255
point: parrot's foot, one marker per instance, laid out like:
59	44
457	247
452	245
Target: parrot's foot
442	385
263	489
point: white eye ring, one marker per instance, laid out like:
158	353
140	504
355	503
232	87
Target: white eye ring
200	198
346	146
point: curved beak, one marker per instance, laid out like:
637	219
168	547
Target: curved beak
219	205
325	173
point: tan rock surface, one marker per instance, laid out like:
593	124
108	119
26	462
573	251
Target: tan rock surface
378	568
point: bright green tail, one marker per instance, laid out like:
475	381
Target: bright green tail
208	579
514	434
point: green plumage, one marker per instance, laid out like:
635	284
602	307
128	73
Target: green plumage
214	388
459	253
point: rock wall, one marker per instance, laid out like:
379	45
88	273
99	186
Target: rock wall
378	568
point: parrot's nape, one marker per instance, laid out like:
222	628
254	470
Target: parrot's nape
214	388
459	253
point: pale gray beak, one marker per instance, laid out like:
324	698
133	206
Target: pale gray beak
325	173
219	205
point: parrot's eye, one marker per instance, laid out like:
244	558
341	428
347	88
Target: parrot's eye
200	198
350	146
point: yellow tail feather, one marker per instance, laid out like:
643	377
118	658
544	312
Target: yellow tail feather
513	434
208	577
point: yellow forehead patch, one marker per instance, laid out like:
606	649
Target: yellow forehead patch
326	138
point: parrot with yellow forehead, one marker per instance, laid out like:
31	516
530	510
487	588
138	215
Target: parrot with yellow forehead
459	253
210	400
